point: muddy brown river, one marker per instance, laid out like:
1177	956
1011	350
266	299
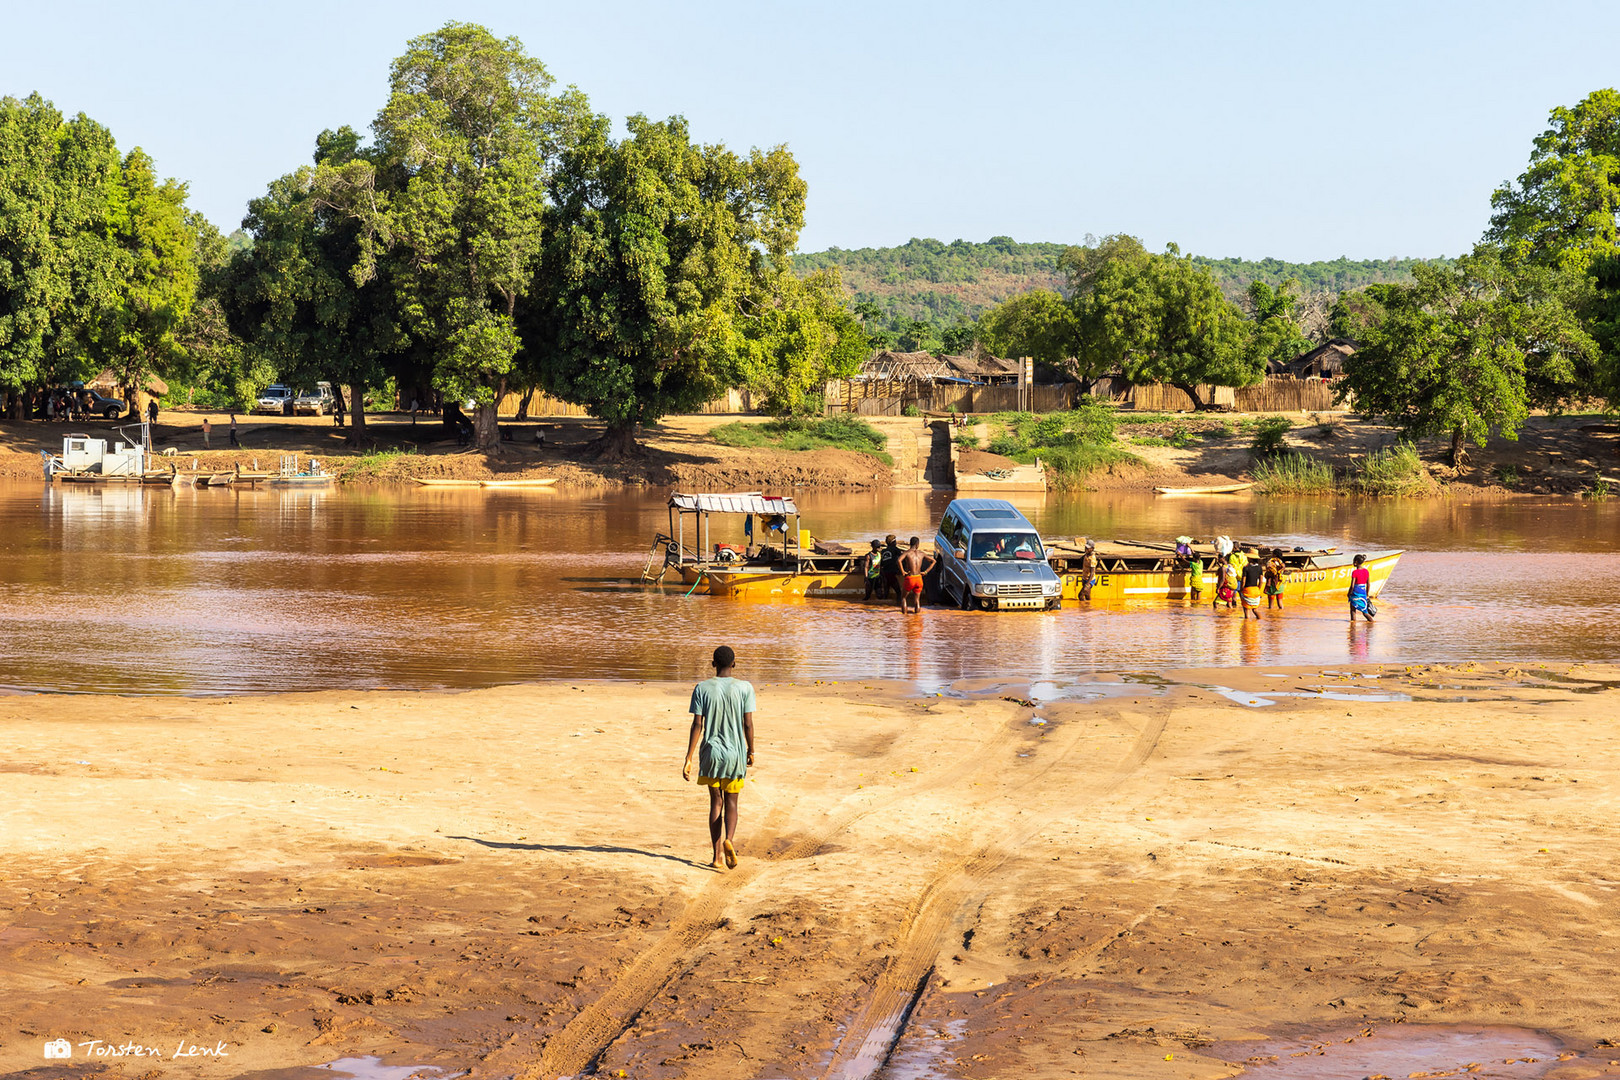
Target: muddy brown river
226	591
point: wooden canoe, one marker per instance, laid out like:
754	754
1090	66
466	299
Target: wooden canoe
534	483
1217	489
438	483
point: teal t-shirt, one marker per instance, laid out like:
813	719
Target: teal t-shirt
723	751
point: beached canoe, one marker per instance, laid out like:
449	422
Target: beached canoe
1217	489
539	482
438	483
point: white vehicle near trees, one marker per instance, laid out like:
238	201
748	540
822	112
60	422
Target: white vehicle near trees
316	402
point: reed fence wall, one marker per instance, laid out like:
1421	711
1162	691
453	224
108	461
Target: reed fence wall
1278	393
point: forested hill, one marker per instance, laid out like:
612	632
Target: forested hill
946	285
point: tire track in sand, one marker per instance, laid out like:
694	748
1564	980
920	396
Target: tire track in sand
929	918
597	1026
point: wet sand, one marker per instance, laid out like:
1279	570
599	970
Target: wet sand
1152	882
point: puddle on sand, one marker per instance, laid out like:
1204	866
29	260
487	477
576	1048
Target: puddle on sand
1262	698
921	1053
372	1068
1398	1050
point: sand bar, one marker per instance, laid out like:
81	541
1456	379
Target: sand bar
508	881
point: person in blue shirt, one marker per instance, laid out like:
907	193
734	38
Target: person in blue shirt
721	746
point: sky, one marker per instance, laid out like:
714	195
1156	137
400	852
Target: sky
1298	131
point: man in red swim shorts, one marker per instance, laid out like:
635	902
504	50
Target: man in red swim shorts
913	566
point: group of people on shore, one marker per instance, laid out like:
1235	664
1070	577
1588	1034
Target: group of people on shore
899	572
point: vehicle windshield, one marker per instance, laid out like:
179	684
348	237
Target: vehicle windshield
1005	545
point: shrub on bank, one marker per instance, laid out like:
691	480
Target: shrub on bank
1395	470
1270	436
1293	474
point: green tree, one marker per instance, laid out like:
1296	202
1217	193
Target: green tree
462	146
60	266
294	290
215	357
1278	337
138	335
1356	313
660	258
1470	348
1562	210
800	338
1162	318
1038	323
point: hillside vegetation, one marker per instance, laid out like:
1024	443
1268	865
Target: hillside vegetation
926	293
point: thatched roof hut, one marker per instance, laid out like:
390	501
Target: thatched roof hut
107	383
888	365
1326	361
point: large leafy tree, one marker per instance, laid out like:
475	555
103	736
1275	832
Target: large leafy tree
801	336
1163	318
1470	348
1039	324
309	293
60	264
1562	210
462	159
138	334
664	269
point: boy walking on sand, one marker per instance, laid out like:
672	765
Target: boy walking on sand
721	745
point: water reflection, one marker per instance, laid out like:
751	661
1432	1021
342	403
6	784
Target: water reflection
218	591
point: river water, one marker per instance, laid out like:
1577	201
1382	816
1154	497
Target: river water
226	591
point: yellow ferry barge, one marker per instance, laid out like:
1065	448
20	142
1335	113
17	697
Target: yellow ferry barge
1128	570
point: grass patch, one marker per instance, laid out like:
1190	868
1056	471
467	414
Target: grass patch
1071	444
966	440
1293	474
1395	470
842	432
1178	437
1598	491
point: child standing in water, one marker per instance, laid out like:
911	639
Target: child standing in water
721	745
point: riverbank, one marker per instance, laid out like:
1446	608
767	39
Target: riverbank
510	880
1554	456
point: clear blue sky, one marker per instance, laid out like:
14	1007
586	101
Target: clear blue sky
1295	130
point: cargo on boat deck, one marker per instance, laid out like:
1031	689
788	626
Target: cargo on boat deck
778	556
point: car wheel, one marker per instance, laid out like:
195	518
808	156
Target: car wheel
111	414
964	596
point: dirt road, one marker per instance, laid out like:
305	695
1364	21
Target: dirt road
1131	880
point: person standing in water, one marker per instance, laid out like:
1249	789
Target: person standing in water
721	746
1360	595
1251	577
1274	577
914	567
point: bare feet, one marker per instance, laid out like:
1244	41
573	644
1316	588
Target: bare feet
717	865
731	854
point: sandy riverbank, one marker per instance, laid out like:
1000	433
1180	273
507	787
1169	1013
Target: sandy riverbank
508	880
1554	456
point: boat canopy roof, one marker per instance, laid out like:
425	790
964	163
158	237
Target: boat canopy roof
743	502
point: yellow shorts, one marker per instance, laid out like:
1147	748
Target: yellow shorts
726	784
